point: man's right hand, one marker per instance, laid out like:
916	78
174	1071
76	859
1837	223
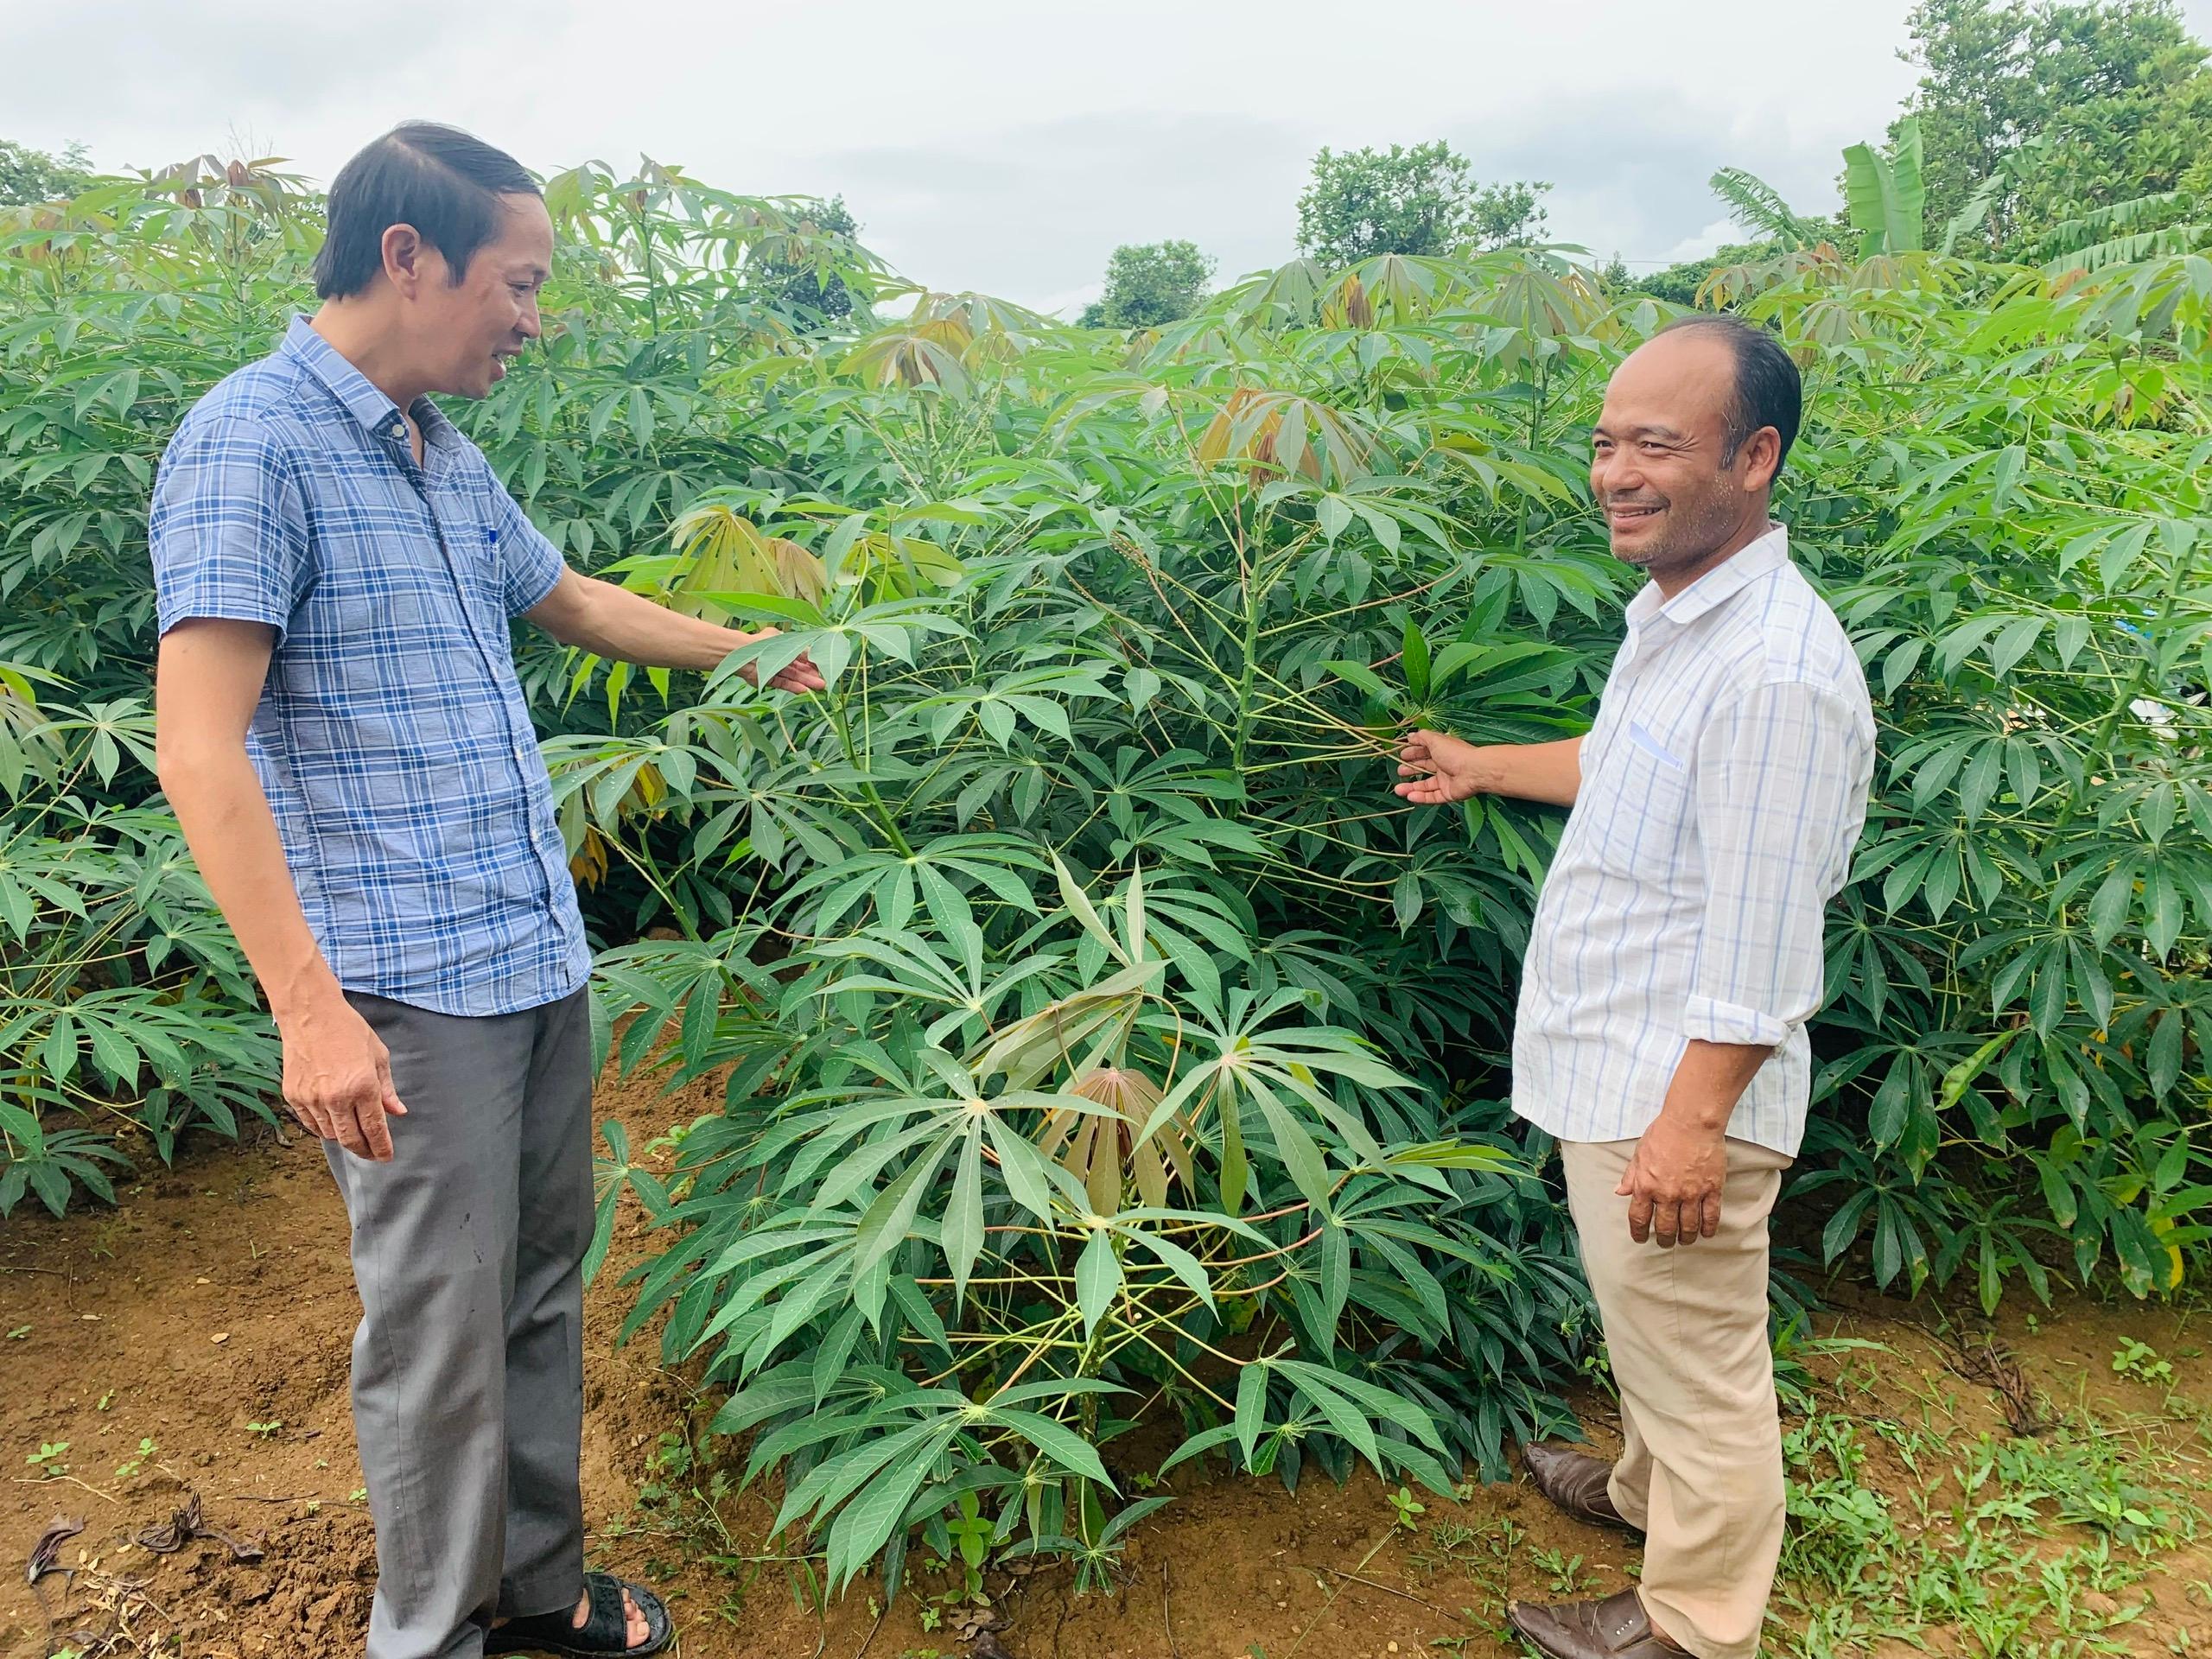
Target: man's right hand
338	1079
1441	769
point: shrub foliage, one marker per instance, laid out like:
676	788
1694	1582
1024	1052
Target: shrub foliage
1104	1041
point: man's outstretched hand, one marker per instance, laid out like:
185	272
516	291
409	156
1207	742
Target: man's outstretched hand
801	676
1438	770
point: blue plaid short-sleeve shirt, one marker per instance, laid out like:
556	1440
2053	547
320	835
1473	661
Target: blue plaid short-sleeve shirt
392	737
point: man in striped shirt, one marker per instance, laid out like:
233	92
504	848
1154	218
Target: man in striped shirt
1675	959
341	731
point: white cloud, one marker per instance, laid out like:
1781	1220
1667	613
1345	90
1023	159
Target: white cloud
1009	145
1713	236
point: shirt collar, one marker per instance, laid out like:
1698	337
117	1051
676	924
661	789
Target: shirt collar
377	413
1717	586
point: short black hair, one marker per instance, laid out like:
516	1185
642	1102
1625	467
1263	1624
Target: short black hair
444	182
1769	389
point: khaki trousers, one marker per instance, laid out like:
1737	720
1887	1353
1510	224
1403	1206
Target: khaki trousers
1701	1472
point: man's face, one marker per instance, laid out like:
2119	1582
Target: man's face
470	328
1655	469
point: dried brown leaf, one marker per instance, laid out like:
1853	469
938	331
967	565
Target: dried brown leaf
187	1523
47	1551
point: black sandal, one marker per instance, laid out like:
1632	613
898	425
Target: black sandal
599	1637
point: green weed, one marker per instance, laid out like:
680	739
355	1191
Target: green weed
1980	1550
2139	1360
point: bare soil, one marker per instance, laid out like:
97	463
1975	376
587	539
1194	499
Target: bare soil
211	1315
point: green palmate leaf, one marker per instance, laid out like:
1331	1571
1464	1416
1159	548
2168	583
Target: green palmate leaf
1056	1440
1235	1168
1301	1158
830	1358
884	1225
1027	1181
1080	907
2013	642
770	1394
1416	661
962	1230
1178	1261
2166	1055
1098	1278
838	1476
1336	1274
1452	1155
1892	1105
1251	1407
2114	897
866	1524
1199	1445
1961	1078
1132	916
1323	1390
1362	676
1406	899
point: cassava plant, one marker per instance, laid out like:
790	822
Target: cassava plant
1101	1042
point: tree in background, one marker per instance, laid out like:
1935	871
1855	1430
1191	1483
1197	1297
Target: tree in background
1367	201
1422	200
1678	283
1149	284
1509	215
2069	105
2040	129
1758	207
796	285
28	174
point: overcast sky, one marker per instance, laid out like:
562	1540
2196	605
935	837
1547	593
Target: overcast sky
1009	145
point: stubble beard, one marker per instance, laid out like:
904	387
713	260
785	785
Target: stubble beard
1692	531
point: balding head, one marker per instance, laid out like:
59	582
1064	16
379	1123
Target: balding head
1769	392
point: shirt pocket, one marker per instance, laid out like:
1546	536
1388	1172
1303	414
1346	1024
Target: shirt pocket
472	536
1643	794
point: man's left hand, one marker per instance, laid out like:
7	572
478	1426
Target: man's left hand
801	676
1674	1181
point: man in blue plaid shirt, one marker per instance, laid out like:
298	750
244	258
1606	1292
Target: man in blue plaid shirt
342	736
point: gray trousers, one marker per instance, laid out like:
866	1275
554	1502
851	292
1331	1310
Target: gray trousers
468	1365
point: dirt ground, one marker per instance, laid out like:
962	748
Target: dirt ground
192	1347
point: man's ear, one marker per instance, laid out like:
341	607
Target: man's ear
405	255
1762	457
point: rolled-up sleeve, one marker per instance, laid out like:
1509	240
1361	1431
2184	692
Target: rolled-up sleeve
1781	788
228	531
530	565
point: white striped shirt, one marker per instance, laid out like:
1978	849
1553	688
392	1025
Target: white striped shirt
1724	787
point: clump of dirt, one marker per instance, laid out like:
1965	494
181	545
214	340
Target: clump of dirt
193	1346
